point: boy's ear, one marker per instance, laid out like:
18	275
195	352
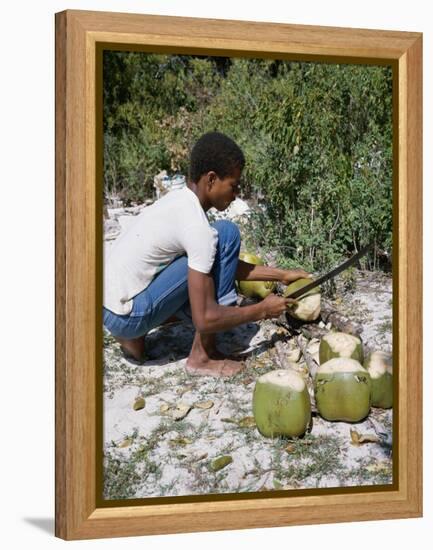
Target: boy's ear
211	178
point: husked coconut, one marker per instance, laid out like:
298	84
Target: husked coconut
281	404
342	389
340	344
308	306
255	289
379	366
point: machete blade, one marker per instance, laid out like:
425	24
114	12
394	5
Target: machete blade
330	274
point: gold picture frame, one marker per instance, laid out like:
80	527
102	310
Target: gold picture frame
80	39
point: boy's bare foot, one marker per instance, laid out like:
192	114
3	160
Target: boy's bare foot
205	359
132	348
219	368
216	354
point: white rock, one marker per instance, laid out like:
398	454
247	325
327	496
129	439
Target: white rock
237	209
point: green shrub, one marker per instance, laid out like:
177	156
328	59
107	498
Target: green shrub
317	140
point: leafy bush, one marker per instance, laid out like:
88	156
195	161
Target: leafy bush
317	140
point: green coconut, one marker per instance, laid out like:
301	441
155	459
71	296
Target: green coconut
308	306
379	366
340	344
281	404
342	389
251	258
255	289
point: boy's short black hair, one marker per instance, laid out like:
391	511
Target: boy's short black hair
215	152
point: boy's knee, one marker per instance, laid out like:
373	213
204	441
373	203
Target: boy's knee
227	230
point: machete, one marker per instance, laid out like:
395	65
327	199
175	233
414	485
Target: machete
330	274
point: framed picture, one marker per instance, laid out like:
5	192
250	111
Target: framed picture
317	133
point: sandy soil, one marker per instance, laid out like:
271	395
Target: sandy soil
167	447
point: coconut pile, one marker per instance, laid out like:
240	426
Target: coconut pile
312	408
342	388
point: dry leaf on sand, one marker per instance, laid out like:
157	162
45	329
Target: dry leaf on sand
359	439
180	411
220	463
139	404
204	405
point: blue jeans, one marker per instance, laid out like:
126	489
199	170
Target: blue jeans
167	294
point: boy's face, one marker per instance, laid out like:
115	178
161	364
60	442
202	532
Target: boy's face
223	191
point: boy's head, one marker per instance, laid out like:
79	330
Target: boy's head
215	152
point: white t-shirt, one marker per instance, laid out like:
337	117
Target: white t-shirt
174	225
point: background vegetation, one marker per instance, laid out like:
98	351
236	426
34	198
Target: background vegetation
317	139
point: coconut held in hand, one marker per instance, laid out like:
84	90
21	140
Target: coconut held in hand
340	344
342	389
281	404
255	289
308	306
379	366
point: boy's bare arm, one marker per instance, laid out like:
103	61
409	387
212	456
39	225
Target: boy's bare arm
252	272
210	317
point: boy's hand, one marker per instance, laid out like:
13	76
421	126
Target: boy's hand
273	306
291	275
